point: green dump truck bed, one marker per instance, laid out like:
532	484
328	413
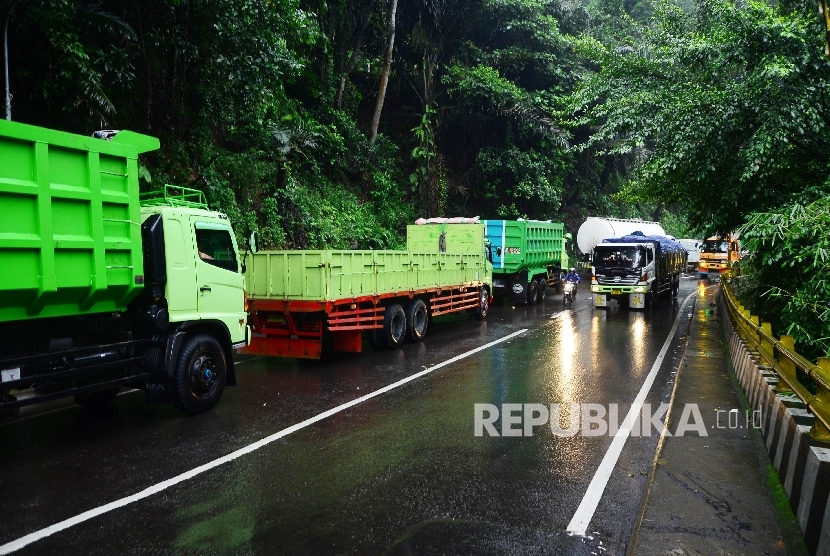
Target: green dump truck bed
525	244
70	238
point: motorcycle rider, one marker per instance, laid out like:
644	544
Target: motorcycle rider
572	276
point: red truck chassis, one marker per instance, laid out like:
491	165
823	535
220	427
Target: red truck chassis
295	328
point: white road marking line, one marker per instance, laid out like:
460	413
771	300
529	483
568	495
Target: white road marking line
585	512
37	535
559	314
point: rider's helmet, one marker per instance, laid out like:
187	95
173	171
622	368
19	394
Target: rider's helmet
572	270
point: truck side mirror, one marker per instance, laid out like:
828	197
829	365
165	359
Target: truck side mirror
253	242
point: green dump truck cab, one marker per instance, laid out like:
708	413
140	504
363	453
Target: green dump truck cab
101	291
528	257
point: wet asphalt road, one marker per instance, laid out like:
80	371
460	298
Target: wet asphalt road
401	473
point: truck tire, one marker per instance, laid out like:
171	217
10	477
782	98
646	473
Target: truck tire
483	304
543	288
417	319
373	336
532	292
200	375
394	326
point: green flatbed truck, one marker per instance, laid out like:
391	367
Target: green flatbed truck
299	301
101	290
528	257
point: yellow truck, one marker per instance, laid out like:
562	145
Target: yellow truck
718	253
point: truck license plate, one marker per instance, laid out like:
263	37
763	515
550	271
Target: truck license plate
616	292
8	375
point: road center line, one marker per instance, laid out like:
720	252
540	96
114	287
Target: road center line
585	512
37	535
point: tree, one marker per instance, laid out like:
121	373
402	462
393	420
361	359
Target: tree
356	44
82	53
384	76
719	108
505	81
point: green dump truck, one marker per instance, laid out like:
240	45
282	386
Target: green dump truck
299	301
99	290
528	257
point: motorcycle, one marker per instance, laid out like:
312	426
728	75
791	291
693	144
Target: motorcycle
568	292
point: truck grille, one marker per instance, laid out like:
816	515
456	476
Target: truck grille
617	280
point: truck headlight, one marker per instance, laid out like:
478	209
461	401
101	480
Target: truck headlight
594	288
640	289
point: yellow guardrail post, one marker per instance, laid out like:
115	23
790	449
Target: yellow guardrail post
766	345
787	366
745	323
820	405
753	330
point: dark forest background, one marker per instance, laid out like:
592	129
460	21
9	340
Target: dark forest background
334	123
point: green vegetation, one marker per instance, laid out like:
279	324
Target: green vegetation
722	108
706	115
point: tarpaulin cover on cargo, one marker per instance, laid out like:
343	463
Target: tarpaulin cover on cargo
667	245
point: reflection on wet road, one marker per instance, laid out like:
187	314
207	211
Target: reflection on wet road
397	473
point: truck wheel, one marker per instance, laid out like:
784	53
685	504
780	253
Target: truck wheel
373	336
483	304
543	288
676	288
417	319
648	300
532	292
200	375
394	326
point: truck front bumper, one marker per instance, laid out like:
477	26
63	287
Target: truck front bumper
711	266
619	290
636	294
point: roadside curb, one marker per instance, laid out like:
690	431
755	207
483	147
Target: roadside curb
706	494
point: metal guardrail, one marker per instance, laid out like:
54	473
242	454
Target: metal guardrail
780	355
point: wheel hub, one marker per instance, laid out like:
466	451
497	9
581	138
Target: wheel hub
203	374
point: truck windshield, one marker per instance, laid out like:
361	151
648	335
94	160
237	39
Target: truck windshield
621	257
714	246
